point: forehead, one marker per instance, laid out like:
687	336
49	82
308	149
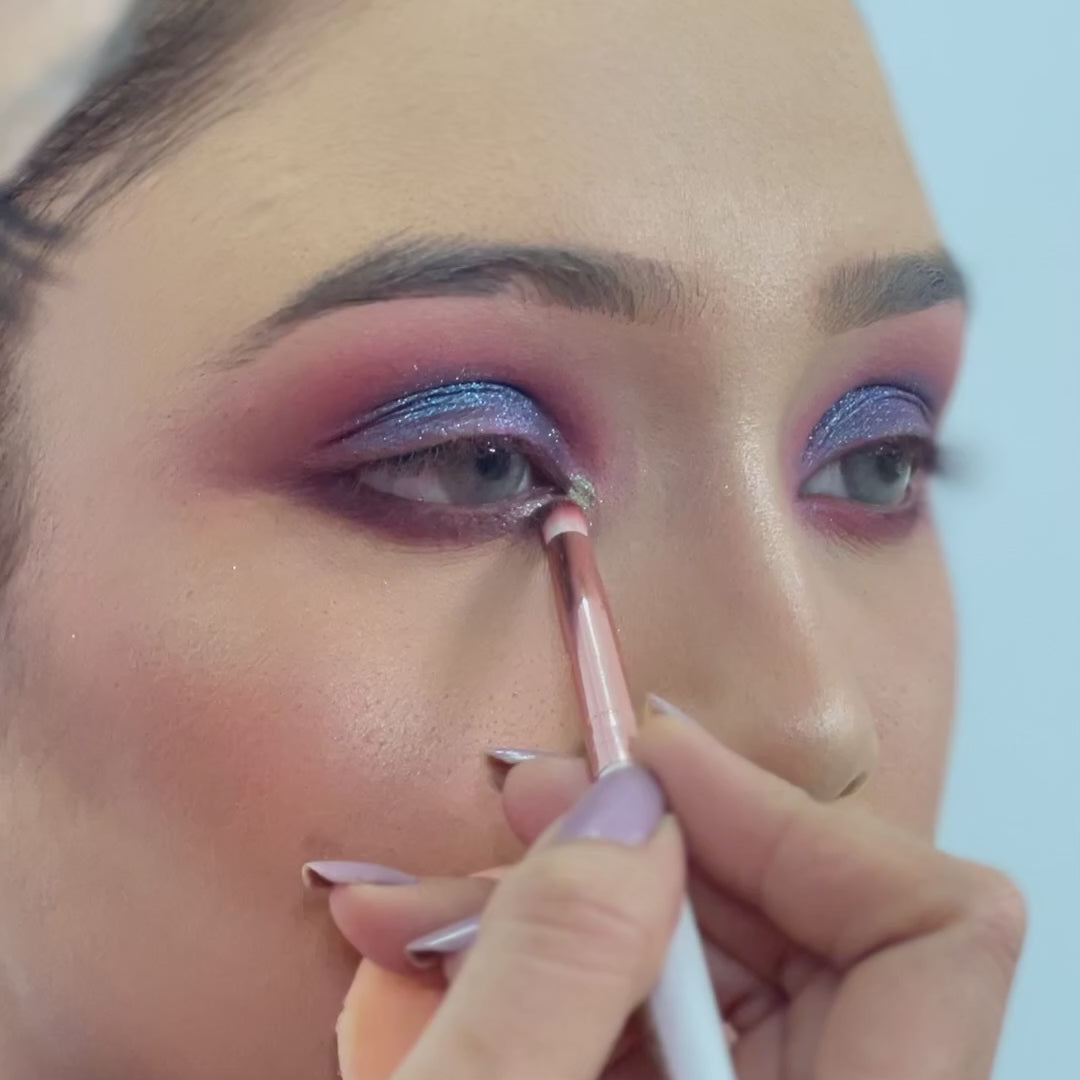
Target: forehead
704	119
750	142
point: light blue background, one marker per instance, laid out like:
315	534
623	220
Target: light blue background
989	94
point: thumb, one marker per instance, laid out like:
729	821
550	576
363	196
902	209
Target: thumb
568	946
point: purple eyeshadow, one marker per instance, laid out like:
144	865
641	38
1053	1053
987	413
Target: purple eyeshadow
455	411
868	414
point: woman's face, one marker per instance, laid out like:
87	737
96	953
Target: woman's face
227	657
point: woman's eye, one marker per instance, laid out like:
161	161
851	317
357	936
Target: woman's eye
465	472
414	462
871	447
883	475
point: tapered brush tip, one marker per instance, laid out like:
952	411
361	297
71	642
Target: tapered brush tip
565	516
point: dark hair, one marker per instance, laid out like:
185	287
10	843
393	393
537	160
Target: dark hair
165	73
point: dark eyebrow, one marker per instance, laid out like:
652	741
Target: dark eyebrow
861	292
618	285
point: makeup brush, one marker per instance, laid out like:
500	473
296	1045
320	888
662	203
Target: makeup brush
682	1006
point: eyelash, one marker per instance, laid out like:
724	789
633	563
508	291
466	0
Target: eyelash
347	493
451	435
427	442
865	519
549	478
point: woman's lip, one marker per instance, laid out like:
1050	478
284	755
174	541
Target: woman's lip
632	1049
634	1059
631	1040
634	1062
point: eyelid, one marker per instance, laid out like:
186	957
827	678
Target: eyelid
866	415
450	413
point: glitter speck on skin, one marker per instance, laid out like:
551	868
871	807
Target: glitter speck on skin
582	492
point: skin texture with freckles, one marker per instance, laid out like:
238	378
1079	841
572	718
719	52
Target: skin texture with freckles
218	680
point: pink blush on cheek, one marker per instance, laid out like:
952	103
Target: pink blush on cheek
202	739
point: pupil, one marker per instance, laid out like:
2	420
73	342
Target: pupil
492	462
880	476
891	465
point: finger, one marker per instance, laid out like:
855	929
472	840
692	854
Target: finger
536	792
836	881
744	998
740	931
380	920
746	953
568	946
729	930
922	944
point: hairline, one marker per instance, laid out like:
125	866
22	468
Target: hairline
170	72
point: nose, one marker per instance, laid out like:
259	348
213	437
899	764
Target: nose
746	632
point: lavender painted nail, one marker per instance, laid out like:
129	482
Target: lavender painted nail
509	755
624	806
661	705
429	949
323	874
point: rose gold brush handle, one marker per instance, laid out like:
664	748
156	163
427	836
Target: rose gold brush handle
682	1006
589	634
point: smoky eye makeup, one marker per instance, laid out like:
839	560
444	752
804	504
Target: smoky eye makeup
868	414
443	414
458	461
871	449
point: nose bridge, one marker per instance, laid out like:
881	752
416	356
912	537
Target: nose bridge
747	649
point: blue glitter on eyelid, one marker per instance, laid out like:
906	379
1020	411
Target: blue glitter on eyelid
454	411
865	415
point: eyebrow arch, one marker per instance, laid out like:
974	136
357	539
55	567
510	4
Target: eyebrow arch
614	284
625	287
863	291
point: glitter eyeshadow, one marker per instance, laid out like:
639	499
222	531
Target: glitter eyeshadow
866	415
455	411
582	491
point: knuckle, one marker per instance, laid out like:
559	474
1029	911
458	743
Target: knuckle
998	916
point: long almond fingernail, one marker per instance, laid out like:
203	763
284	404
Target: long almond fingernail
512	755
328	872
431	948
624	806
654	703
